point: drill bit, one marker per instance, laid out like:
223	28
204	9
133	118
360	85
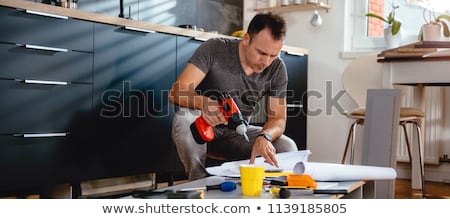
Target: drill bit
246	137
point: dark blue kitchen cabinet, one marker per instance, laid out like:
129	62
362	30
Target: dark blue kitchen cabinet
297	68
186	47
133	72
45	92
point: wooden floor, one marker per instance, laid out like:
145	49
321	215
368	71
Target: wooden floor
433	190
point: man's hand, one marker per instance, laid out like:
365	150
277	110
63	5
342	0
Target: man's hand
211	112
265	149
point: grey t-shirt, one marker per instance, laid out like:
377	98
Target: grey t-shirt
219	59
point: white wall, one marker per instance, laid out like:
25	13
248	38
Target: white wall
327	132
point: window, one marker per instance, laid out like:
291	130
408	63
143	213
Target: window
370	35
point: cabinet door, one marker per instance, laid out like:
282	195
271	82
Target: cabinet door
133	72
23	63
41	29
186	47
29	163
297	68
41	108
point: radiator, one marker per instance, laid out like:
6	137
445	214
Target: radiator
434	109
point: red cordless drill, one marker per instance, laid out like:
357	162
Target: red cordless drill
203	132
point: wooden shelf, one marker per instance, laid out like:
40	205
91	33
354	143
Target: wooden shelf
299	7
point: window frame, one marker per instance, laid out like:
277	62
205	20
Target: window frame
360	39
409	31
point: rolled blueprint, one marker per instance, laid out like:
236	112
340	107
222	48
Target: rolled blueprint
344	172
286	160
297	162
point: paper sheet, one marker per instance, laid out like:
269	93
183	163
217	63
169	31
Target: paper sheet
286	161
298	163
344	172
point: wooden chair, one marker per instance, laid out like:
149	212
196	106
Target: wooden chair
365	73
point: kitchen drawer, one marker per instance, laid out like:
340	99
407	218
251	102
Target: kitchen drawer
35	162
18	26
19	62
42	108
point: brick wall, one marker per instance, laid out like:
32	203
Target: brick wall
376	26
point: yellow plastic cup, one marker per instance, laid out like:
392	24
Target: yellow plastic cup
252	178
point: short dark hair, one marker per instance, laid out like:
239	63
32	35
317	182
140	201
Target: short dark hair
275	23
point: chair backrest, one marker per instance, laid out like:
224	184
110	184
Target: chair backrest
361	74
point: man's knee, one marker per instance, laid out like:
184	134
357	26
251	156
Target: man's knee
285	144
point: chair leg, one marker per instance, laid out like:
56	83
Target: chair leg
419	140
407	141
350	137
344	156
352	146
422	171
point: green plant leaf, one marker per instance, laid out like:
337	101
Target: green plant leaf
396	27
443	17
420	37
376	16
390	18
445	27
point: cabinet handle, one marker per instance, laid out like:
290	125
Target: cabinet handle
27	81
46	48
295	53
42	135
139	29
46	14
294	105
200	39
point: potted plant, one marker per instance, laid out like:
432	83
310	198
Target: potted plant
392	22
431	30
392	34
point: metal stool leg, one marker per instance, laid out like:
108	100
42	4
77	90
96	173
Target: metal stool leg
407	141
422	171
419	139
352	146
349	137
351	141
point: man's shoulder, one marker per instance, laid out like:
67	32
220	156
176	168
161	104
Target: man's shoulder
222	41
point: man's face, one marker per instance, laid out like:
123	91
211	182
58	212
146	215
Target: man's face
261	50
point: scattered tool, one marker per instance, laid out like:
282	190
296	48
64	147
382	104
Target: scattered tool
203	132
301	181
226	186
167	194
286	191
280	192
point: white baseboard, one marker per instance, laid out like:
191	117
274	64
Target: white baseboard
433	173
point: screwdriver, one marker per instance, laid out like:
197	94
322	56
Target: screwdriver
226	186
246	137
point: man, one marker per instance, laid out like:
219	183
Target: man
248	69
